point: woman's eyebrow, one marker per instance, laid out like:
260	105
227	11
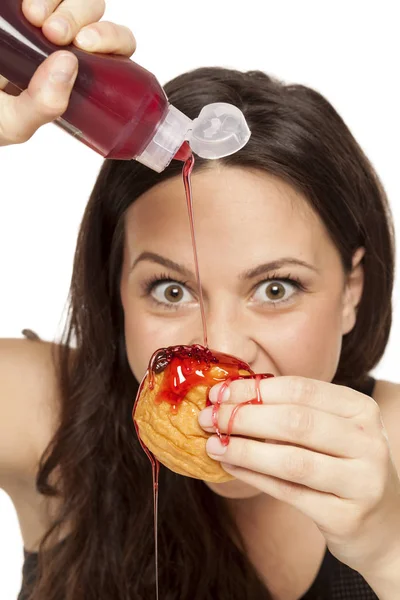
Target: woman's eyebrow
274	265
249	274
165	262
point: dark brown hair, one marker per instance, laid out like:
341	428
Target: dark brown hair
95	462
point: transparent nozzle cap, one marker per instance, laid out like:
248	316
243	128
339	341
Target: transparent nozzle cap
219	130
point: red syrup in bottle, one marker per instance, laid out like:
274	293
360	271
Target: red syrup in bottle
116	105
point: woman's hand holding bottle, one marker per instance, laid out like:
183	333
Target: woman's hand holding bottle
48	93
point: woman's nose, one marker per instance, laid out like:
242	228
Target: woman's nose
230	336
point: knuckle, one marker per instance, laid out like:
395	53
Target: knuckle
291	491
298	422
301	388
250	388
241	390
223	416
245	454
249	391
113	30
67	15
296	466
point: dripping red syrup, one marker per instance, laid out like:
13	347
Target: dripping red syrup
190	366
187	172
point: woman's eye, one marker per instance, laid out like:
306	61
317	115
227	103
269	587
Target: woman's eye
274	292
171	293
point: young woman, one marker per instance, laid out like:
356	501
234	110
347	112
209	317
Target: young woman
296	254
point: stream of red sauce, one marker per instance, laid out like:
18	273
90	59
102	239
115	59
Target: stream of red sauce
189	366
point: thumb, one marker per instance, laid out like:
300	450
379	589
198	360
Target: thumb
45	99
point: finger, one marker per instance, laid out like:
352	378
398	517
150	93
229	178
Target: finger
70	17
107	38
332	514
320	507
319	472
328	397
292	423
45	99
37	11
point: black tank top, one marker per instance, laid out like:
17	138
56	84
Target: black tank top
334	581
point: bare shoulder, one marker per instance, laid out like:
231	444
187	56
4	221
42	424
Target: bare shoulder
29	402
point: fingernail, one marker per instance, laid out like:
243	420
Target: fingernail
61	26
214	447
215	393
40	9
64	68
89	38
205	417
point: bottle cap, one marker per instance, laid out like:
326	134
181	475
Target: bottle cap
219	130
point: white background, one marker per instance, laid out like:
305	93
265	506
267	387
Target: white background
346	49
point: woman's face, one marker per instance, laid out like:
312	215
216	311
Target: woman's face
275	292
